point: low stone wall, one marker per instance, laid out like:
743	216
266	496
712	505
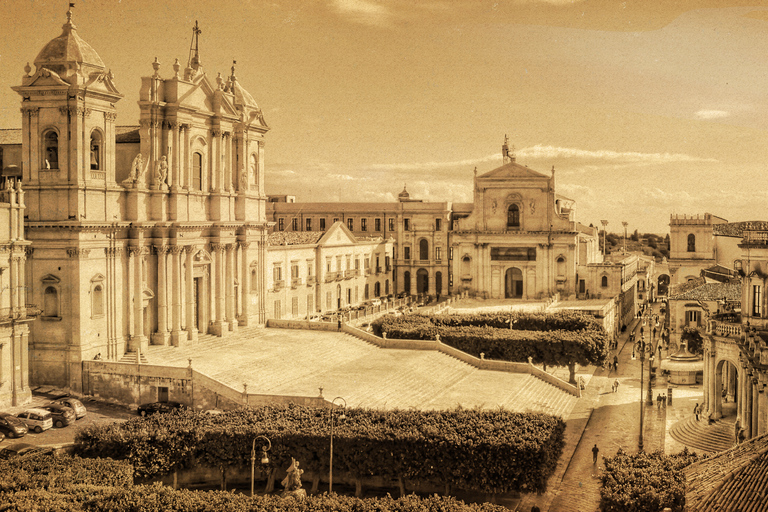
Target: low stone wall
136	384
303	324
483	364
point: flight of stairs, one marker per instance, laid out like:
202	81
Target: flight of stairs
130	357
700	436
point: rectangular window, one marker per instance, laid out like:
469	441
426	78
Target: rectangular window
377	224
328	300
349	262
281	224
338	263
438	253
328	261
363	224
295	306
294	270
278	311
277	273
756	301
351	224
407	224
310	305
391	224
309	224
406	253
310	268
437	224
357	263
294	224
322	224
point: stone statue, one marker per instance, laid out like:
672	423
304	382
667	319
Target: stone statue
136	168
533	207
243	180
161	170
292	481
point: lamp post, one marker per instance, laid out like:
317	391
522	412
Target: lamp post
642	408
649	401
264	458
604	223
341	418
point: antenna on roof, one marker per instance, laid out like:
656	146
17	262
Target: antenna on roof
194	51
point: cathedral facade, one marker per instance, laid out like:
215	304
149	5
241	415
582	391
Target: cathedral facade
153	234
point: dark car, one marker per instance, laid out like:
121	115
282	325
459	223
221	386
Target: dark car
12	426
163	407
19	449
62	415
73	403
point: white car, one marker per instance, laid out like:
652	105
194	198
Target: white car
36	419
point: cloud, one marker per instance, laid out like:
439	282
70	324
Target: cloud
365	12
434	165
711	114
551	152
343	177
286	172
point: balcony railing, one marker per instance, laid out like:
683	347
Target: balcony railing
330	276
19	313
279	285
349	274
296	281
756	237
311	280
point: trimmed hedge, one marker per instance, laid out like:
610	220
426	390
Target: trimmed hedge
157	498
46	471
486	451
643	481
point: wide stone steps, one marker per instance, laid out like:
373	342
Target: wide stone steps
299	362
130	357
700	436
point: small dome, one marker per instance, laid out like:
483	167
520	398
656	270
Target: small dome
404	194
67	49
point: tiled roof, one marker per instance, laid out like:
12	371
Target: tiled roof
736	229
294	237
730	481
10	136
127	134
711	291
684	287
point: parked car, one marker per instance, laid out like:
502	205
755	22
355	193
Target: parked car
12	426
62	415
163	407
73	403
19	449
36	419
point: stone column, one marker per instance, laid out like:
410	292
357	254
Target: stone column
14	284
755	407
175	156
178	337
186	168
139	342
229	263
245	284
216	171
220	324
189	293
161	336
741	397
747	423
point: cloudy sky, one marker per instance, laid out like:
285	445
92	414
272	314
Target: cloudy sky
644	108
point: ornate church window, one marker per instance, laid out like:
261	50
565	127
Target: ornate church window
197	171
691	243
51	150
604	282
423	249
95	151
513	216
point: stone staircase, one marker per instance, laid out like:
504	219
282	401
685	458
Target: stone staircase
131	357
700	436
299	362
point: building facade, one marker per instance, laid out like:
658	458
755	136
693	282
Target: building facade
149	235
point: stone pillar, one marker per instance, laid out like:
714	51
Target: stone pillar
414	279
161	336
245	284
186	168
174	156
216	170
747	423
189	293
220	324
178	337
138	340
262	289
229	263
741	396
14	284
755	408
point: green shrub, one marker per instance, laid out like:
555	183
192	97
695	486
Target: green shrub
643	481
487	451
157	498
45	471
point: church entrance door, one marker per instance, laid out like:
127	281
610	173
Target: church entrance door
422	281
513	283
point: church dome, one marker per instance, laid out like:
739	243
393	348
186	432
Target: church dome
404	194
61	53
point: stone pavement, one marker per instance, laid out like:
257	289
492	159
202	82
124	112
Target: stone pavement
612	421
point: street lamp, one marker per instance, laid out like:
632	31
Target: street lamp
604	223
264	459
649	401
642	408
341	418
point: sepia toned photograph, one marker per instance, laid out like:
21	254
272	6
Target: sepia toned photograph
346	255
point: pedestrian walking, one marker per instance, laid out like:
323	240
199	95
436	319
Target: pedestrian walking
659	351
658	401
696	411
664	400
595	451
615	385
616	366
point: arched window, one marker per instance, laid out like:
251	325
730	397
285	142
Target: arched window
423	249
51	150
604	282
513	216
466	262
691	243
97	305
51	302
95	151
560	267
197	171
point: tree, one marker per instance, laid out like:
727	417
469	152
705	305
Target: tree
652	242
694	341
635	237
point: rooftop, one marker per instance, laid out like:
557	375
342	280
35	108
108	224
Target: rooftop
709	291
294	237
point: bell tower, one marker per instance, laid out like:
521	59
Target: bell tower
68	132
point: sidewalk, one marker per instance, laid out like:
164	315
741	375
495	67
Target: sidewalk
610	420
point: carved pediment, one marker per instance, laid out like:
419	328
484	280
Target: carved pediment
202	257
103	82
45	76
50	279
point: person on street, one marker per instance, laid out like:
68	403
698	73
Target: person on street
696	411
595	451
615	385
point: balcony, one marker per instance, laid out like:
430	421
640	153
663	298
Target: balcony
295	282
311	280
330	276
349	274
28	312
339	275
279	285
755	238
